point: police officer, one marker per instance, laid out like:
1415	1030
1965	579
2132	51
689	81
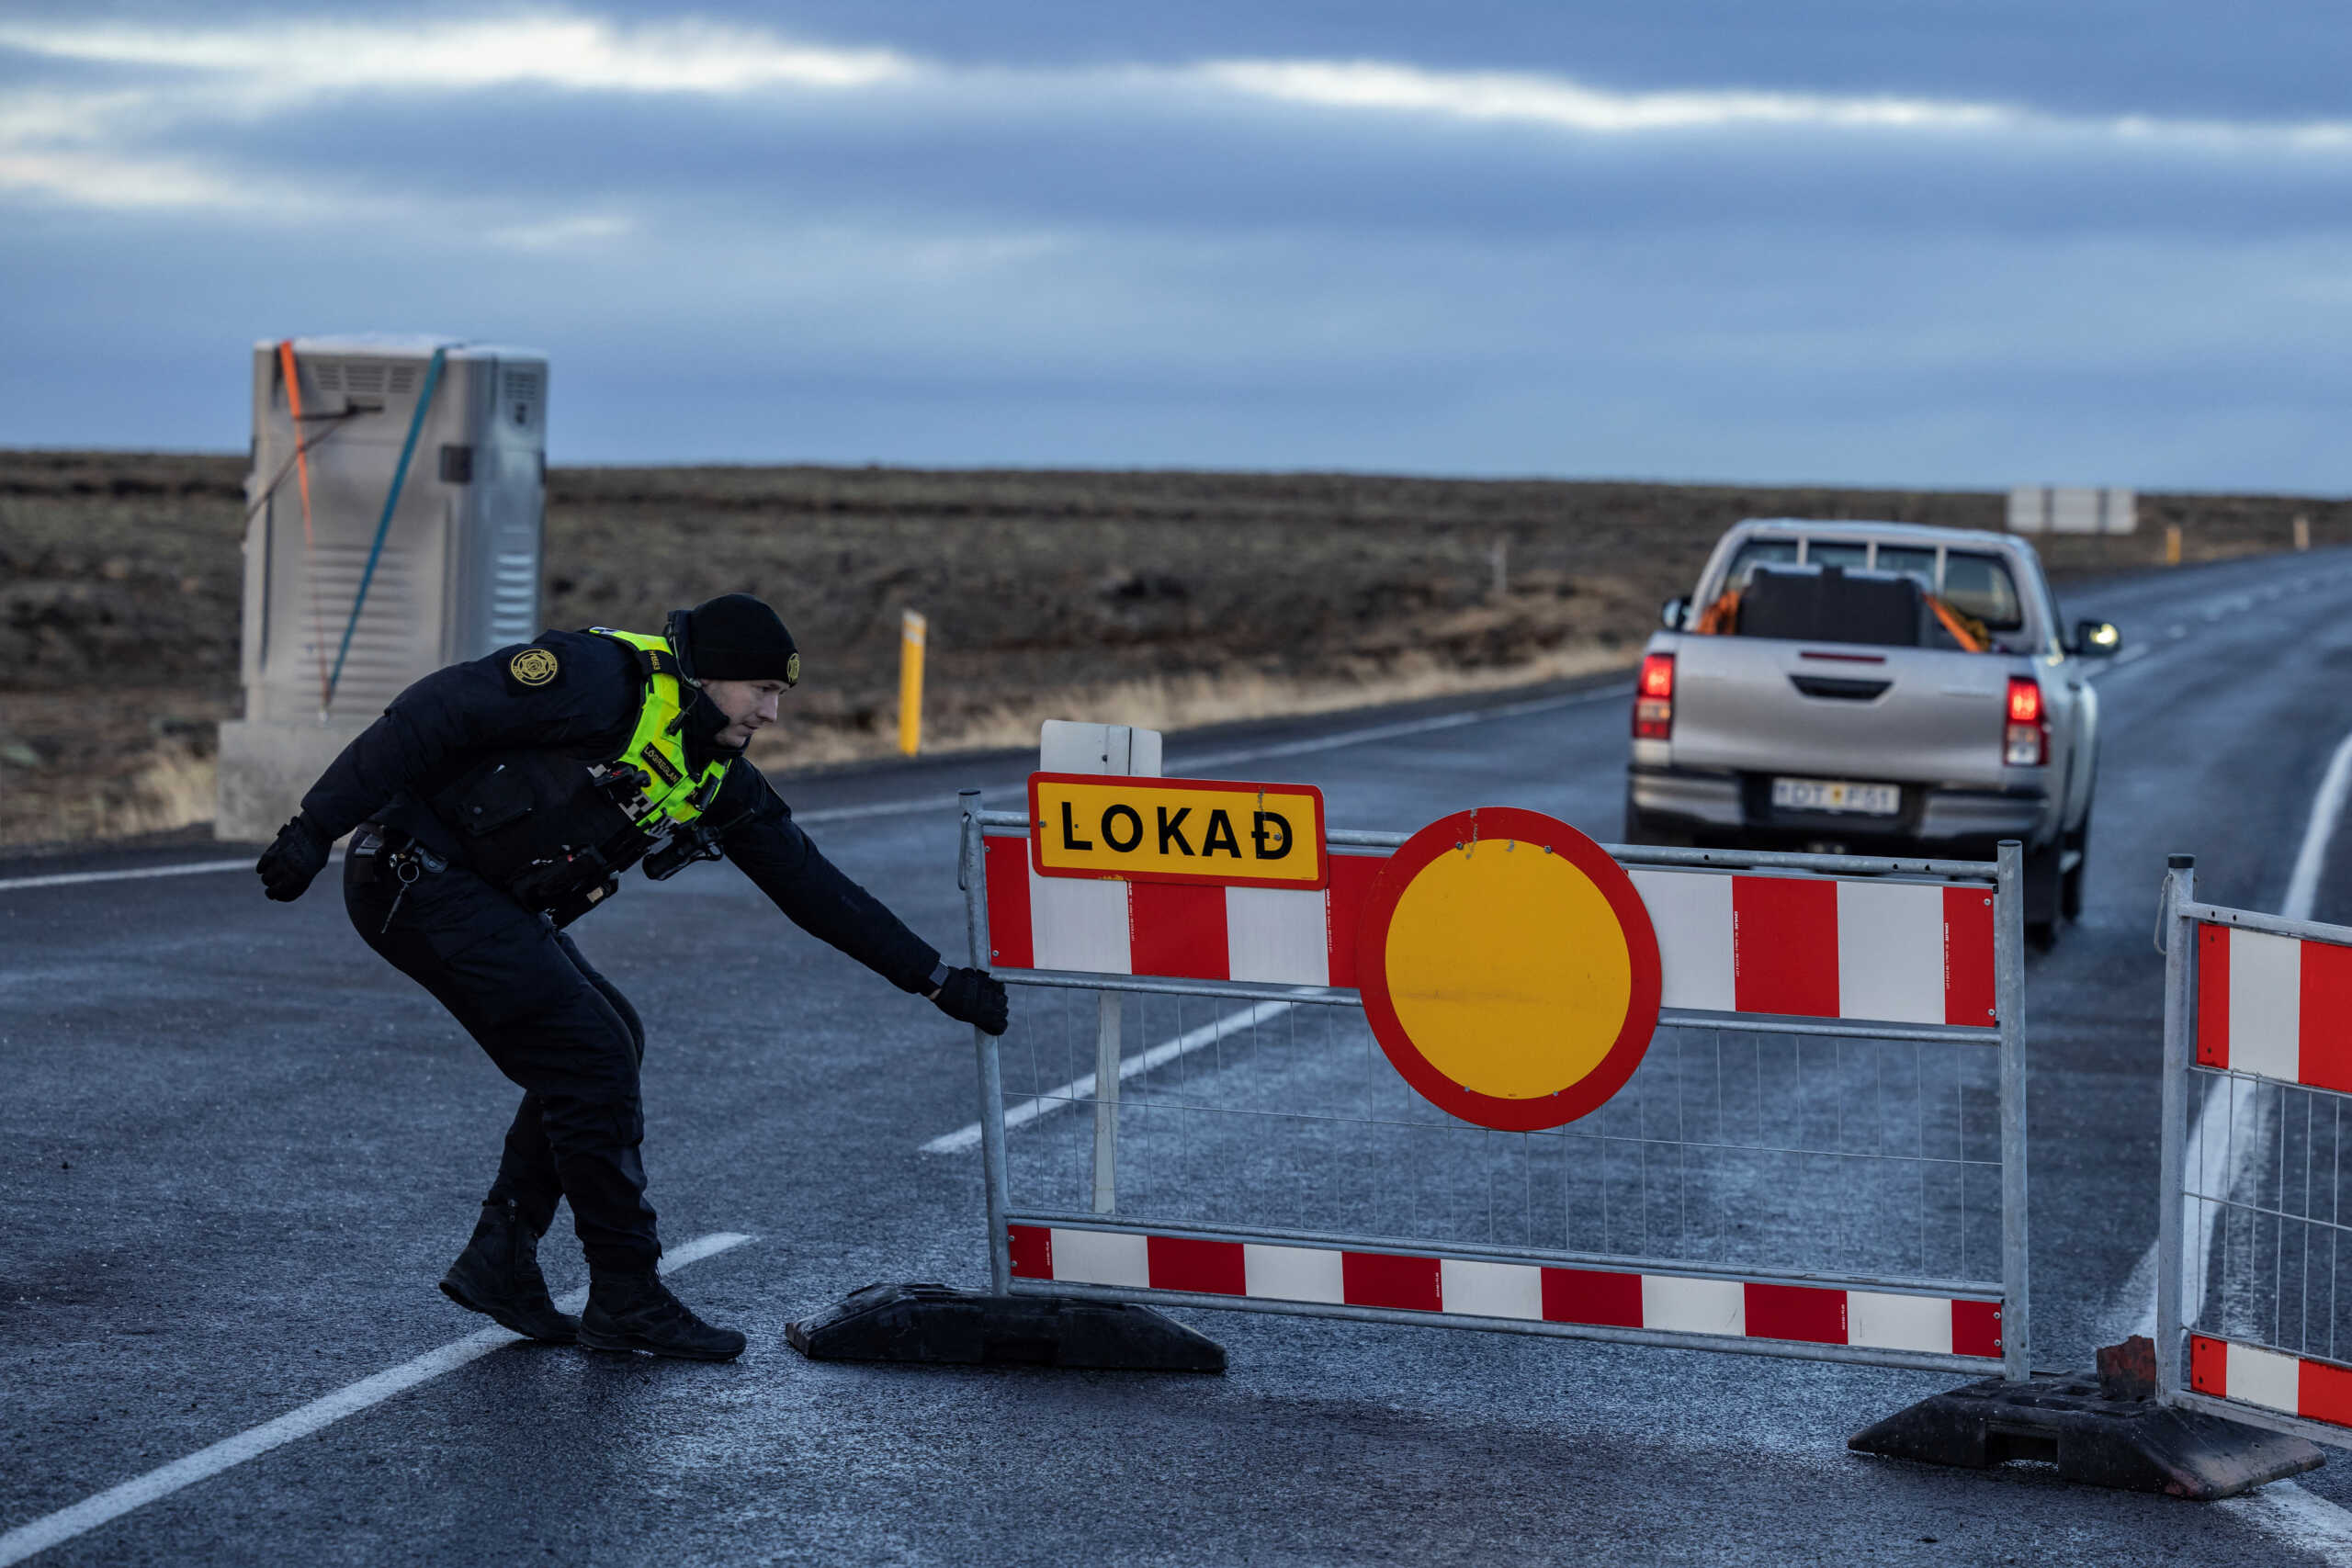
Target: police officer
497	801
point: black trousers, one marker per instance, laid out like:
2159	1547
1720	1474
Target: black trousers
555	1026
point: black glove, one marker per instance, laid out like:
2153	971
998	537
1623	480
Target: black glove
287	867
970	997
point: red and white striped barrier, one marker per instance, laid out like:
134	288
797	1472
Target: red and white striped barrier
1277	936
2276	1006
2270	1004
1802	946
1818	947
2291	1386
1456	1287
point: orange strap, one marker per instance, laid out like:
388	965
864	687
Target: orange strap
309	542
1718	618
1966	633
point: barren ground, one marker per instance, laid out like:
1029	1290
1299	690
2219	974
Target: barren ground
1158	598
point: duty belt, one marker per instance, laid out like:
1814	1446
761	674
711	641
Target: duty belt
407	860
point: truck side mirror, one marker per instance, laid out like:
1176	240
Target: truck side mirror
1673	613
2098	639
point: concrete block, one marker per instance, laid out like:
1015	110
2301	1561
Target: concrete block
267	768
2134	1444
936	1323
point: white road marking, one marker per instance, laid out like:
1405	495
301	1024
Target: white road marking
139	872
1333	742
1407	726
881	808
50	1530
72	878
2122	661
2302	885
2227	1134
1081	1089
2302	1520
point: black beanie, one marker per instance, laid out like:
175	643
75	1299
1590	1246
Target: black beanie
736	637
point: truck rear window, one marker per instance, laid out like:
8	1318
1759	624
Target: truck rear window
1760	552
1911	562
1980	586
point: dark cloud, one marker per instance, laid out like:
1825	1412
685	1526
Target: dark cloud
1207	164
2280	58
1017	265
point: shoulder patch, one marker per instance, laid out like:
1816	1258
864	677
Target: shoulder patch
533	669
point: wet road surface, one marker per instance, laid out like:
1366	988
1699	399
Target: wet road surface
236	1151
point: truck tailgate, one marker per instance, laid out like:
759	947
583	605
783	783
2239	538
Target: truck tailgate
1830	710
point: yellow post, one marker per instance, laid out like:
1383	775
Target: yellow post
2302	532
2171	544
911	626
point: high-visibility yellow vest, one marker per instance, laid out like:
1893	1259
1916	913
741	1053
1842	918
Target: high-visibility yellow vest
657	748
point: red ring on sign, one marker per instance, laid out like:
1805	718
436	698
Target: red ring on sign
1624	1054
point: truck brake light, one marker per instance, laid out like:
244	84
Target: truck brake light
1653	698
2025	740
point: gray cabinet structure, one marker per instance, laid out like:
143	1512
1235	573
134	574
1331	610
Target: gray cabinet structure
347	606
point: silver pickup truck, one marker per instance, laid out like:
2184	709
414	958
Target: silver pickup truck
1872	688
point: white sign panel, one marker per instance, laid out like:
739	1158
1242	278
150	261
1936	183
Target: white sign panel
2072	509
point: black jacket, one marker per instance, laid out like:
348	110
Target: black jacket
445	725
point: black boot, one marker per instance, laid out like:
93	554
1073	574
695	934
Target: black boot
498	1275
637	1312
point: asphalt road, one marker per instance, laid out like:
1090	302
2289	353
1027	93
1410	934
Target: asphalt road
236	1152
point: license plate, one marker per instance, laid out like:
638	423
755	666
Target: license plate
1836	795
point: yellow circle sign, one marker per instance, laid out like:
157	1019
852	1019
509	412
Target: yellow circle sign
1484	947
1510	969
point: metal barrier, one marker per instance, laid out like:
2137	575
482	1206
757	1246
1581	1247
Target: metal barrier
1822	1154
2253	1297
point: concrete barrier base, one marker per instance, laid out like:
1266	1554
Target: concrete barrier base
2132	1444
265	768
945	1327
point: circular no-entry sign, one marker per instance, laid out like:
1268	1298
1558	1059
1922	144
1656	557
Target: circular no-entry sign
1509	969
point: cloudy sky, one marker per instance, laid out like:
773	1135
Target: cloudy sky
1926	241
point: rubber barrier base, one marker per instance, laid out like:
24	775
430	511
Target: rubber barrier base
945	1326
2132	1444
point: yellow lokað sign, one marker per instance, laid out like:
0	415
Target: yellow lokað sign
1143	829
